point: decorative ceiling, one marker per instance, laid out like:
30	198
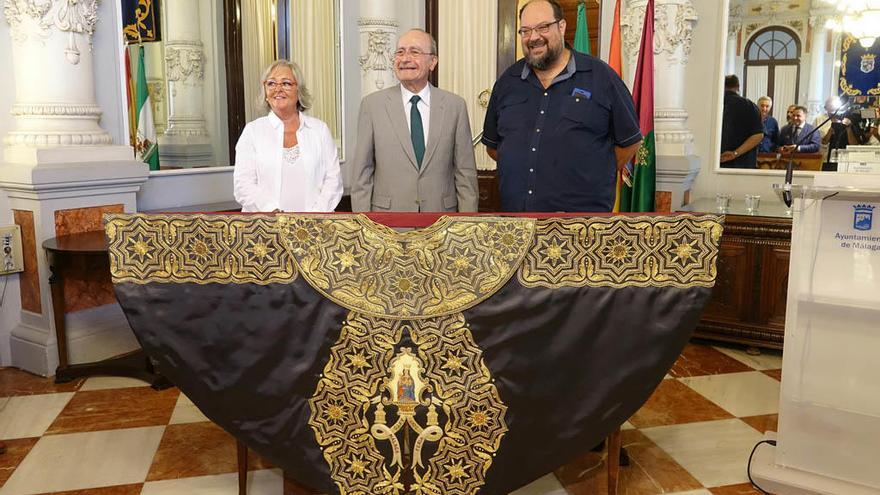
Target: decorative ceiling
764	7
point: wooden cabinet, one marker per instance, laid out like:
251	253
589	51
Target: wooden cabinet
487	183
748	301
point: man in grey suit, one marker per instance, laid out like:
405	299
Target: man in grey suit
414	149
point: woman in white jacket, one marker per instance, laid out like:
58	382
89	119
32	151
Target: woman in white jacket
287	160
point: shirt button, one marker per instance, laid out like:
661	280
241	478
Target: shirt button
545	94
530	191
542	112
533	149
537	130
532	170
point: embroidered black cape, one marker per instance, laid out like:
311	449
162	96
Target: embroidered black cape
469	357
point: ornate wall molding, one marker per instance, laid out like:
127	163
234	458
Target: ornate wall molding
379	55
377	21
377	49
61	138
188	126
157	90
674	137
674	27
185	62
59	109
36	18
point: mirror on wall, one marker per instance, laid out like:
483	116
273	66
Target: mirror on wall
789	64
204	60
183	59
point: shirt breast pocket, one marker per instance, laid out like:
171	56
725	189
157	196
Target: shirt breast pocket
512	115
586	114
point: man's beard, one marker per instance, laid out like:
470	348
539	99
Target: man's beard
543	62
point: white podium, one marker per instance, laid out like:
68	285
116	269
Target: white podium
829	412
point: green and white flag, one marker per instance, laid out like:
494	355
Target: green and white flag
146	147
582	31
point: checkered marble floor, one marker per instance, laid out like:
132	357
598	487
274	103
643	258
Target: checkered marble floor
116	436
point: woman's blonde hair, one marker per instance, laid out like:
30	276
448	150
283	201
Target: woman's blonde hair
304	98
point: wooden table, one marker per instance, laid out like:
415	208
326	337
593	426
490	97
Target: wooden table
62	252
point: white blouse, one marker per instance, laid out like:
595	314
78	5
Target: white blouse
264	181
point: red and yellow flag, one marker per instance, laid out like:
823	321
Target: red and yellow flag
640	195
615	60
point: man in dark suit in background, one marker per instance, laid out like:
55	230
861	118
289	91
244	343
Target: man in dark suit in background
793	137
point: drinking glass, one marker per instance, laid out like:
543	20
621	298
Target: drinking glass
752	203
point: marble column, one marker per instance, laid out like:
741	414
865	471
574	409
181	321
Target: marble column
185	142
55	98
674	21
60	171
734	27
816	87
378	27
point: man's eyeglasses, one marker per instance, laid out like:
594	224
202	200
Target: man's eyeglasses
540	29
286	85
412	52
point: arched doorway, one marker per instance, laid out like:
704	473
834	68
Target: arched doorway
772	68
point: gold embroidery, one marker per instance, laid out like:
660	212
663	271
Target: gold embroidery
200	249
445	268
675	251
382	408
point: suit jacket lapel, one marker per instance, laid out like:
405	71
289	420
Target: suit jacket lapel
397	116
438	114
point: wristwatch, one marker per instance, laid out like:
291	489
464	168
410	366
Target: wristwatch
735	153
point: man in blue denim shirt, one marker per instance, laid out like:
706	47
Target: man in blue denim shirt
559	123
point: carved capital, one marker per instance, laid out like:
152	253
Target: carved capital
674	22
377	48
185	62
36	18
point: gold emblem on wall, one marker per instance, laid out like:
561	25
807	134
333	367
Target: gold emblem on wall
407	406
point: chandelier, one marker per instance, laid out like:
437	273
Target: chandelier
860	18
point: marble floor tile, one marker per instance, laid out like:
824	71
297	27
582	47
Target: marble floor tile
133	489
713	452
186	412
776	374
698	360
673	403
17	382
651	471
763	423
751	393
16	450
116	408
291	487
107	382
198	449
547	485
263	482
29	416
767	360
86	460
741	489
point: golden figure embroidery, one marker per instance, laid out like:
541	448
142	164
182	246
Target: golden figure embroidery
426	418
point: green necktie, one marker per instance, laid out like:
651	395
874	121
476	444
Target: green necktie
416	132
